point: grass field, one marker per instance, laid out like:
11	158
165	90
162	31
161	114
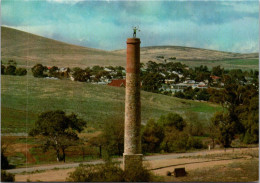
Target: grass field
244	64
23	98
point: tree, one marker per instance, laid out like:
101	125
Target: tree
38	70
81	75
21	71
54	71
99	142
152	137
58	131
10	70
2	69
7	177
217	71
152	82
226	127
172	120
113	135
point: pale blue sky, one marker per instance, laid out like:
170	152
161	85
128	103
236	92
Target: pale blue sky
221	25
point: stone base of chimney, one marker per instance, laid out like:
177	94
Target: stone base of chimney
131	161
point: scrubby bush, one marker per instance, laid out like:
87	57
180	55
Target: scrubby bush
4	161
10	70
110	172
2	69
20	72
172	120
152	136
7	177
38	70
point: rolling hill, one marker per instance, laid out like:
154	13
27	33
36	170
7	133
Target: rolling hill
29	49
24	97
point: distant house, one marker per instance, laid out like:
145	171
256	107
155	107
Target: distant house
215	78
118	83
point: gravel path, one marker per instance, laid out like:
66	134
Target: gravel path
146	158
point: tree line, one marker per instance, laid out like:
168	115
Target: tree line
82	75
11	69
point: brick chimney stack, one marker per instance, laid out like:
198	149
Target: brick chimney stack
132	138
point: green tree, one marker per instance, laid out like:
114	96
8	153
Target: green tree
217	71
53	72
7	177
21	71
10	70
152	136
58	131
38	70
2	69
81	75
113	135
226	127
172	120
152	82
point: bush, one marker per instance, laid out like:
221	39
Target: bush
194	143
10	70
136	173
109	172
7	177
38	70
172	120
4	161
2	69
21	72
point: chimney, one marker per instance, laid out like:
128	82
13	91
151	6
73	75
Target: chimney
132	139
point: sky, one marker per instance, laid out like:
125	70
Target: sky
231	26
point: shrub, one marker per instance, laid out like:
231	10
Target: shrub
136	173
110	172
2	69
38	70
194	143
21	71
10	70
4	161
7	177
172	120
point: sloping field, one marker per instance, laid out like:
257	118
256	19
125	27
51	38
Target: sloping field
188	53
28	49
25	97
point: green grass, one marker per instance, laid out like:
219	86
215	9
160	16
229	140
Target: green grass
23	98
244	64
17	160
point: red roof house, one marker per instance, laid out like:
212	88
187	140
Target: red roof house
118	83
215	77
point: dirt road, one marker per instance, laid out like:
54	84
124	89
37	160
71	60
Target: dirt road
159	164
146	158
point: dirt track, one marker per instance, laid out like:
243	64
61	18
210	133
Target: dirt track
159	164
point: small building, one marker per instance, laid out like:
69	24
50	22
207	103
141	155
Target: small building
118	83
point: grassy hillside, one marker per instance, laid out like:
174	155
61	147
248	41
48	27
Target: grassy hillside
24	97
29	49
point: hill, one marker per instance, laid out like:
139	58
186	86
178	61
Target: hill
29	49
24	97
188	53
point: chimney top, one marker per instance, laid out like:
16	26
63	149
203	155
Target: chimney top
133	40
